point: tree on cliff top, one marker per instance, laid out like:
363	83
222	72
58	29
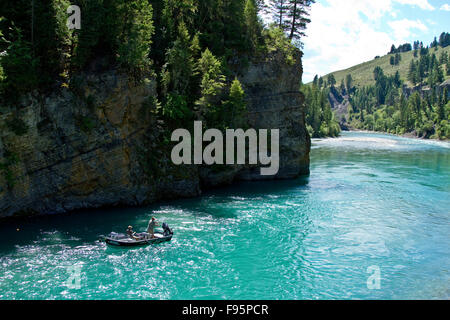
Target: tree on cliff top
159	39
279	10
292	16
298	18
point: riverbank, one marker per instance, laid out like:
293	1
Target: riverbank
406	135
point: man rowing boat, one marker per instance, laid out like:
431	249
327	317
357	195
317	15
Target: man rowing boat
131	234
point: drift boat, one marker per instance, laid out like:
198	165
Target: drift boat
143	239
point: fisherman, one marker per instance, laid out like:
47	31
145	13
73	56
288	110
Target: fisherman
131	233
151	227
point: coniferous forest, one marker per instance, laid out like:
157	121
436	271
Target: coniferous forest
194	49
415	102
320	119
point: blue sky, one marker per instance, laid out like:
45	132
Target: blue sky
348	32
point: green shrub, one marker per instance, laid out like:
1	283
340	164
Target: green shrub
176	109
276	40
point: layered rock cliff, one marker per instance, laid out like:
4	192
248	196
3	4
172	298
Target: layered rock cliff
99	145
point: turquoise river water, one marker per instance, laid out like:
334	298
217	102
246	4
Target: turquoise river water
375	209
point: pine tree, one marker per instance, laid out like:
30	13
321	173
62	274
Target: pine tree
233	24
236	105
253	25
40	28
298	16
445	96
19	67
441	107
331	80
432	62
437	75
443	58
349	83
393	49
176	12
279	10
392	61
444	39
135	38
315	80
92	38
50	38
320	82
378	73
434	43
212	83
412	73
291	16
179	68
260	5
398	58
397	80
342	87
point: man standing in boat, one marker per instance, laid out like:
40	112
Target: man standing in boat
151	227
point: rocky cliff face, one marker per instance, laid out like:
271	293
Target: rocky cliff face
276	103
98	145
339	104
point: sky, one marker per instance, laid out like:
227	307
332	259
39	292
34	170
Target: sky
343	33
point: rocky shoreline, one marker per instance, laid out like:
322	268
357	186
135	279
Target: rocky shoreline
406	135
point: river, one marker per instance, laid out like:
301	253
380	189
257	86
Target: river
372	221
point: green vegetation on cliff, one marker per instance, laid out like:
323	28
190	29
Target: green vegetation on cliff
86	115
195	49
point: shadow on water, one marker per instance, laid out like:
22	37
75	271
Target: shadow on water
245	191
85	226
73	229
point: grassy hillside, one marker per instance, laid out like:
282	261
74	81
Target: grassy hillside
362	74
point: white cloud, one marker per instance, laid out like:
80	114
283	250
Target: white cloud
345	33
339	36
422	4
445	7
403	28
